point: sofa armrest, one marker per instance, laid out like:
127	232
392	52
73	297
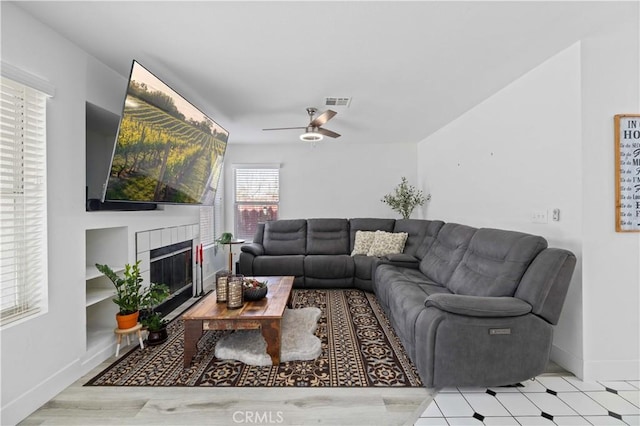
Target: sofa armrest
476	306
401	259
253	248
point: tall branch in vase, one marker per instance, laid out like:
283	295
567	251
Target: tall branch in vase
405	198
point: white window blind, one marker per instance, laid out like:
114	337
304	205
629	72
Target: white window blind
257	195
211	218
23	209
218	204
206	225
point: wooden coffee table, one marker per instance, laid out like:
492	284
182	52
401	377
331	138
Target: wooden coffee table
264	314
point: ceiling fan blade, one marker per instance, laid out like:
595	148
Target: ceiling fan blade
328	133
323	118
286	128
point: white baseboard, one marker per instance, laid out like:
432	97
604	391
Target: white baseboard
568	361
612	370
98	357
600	371
18	409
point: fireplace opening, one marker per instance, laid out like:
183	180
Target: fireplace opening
173	266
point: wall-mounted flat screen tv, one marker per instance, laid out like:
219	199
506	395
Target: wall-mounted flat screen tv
166	150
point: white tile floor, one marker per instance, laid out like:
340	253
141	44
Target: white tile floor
547	400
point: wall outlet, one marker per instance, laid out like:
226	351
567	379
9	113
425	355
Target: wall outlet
539	216
556	215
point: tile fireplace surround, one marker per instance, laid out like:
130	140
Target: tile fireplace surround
157	238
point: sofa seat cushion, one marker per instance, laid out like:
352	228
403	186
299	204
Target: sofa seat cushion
328	266
494	263
406	302
390	279
285	237
279	265
364	266
390	273
327	236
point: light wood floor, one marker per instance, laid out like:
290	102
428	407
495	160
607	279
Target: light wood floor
78	405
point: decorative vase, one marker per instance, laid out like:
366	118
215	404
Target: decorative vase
221	285
157	337
235	291
127	321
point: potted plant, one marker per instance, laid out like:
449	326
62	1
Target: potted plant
130	294
154	323
225	238
405	198
156	327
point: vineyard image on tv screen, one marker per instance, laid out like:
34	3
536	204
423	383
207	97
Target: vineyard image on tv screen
167	150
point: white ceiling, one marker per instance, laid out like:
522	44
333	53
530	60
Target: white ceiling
410	67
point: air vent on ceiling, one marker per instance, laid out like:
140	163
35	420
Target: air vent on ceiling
337	102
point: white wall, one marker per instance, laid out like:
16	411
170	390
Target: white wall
544	142
43	355
517	152
329	180
611	276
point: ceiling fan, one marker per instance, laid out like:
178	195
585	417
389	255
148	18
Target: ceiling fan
313	131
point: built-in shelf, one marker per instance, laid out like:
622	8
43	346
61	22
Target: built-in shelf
105	246
96	295
92	272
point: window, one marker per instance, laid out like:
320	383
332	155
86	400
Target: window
23	196
206	225
257	194
211	217
218	220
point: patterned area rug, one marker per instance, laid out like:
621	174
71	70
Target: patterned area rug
359	349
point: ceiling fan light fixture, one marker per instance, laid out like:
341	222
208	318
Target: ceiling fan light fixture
311	137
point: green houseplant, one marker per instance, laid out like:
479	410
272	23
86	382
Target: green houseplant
405	198
156	327
154	323
131	295
225	238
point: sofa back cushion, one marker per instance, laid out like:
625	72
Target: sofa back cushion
258	237
422	233
446	252
494	262
328	236
368	224
283	237
430	237
546	282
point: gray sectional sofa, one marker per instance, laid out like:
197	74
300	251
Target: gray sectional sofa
472	307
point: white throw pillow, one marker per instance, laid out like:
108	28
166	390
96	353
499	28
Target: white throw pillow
387	243
363	242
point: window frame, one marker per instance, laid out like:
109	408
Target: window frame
25	99
211	220
266	204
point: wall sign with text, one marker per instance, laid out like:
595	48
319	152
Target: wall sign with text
627	140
